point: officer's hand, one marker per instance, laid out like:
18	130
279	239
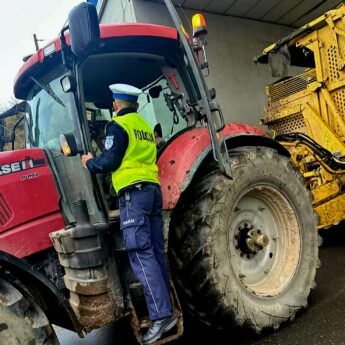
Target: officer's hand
85	158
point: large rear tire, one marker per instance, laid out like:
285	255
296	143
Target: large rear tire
22	322
244	253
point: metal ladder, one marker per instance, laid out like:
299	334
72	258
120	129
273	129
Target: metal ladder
140	323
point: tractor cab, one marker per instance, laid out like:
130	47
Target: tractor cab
149	63
77	101
167	99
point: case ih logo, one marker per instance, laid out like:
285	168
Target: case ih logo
27	163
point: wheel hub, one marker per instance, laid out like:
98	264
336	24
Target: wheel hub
264	242
250	240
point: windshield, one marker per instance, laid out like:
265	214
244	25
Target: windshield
51	114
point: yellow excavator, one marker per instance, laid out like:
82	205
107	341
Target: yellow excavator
306	109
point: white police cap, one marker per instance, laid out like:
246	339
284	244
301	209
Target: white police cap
125	92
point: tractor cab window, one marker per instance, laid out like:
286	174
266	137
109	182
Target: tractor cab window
163	110
164	102
51	114
97	120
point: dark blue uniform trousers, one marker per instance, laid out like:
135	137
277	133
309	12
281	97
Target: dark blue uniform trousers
142	225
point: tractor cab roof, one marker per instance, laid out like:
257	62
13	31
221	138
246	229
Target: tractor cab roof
298	54
123	38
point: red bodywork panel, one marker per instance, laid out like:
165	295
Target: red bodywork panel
178	159
106	31
29	202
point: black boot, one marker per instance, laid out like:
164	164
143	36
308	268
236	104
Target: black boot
157	328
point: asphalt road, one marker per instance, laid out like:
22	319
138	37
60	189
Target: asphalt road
322	324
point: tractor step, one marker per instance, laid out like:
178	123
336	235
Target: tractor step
114	215
135	285
140	325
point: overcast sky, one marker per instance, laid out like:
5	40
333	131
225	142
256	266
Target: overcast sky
19	20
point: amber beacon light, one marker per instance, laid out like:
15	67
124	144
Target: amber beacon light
199	25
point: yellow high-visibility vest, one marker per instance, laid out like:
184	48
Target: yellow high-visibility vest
139	162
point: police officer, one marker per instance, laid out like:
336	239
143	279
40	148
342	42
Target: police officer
130	154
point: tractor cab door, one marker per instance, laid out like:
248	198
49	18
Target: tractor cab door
208	108
52	112
163	103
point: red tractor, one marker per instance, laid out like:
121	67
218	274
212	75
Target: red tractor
239	225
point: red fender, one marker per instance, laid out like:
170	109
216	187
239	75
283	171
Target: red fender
182	157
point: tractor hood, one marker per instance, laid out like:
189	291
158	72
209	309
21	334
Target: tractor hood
29	202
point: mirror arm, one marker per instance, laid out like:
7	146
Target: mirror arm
66	57
13	135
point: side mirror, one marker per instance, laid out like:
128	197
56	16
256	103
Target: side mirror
68	83
84	29
68	145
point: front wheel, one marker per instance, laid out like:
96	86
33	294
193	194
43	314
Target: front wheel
22	322
245	252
